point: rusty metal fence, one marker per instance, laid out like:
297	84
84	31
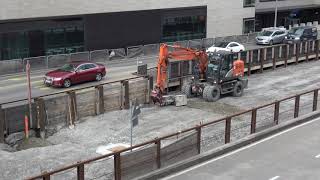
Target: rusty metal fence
167	150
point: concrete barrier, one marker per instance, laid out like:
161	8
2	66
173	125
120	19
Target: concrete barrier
80	56
58	60
11	66
36	63
99	56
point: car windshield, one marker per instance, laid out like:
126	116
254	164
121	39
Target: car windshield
222	44
296	31
67	67
266	33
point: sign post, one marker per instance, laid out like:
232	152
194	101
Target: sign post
29	92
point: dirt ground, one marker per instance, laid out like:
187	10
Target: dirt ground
67	146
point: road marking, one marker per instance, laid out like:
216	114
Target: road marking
274	178
318	156
44	88
238	150
21	84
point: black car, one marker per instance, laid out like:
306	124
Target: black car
298	34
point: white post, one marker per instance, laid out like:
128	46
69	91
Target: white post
276	14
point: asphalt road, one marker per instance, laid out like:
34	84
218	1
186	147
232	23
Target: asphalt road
14	87
292	154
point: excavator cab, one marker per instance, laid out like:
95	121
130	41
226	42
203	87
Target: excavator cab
220	67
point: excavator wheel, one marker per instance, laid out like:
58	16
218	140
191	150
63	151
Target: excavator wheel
238	89
211	93
186	90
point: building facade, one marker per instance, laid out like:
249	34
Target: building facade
35	27
31	28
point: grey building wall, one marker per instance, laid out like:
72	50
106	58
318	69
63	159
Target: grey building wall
223	17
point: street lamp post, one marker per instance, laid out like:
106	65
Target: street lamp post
276	14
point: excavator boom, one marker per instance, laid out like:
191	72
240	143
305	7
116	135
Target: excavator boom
179	54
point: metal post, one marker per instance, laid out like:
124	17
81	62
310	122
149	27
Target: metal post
249	56
29	93
307	49
72	108
297	52
276	14
273	59
296	106
99	100
276	112
287	56
126	94
315	100
150	87
317	49
227	130
158	142
253	121
117	166
46	177
1	124
131	124
80	172
199	139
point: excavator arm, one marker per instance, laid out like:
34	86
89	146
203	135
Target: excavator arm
179	54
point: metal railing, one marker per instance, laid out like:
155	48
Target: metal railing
312	105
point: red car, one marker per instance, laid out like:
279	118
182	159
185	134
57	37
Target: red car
75	72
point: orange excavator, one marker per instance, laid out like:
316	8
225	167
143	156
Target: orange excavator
216	73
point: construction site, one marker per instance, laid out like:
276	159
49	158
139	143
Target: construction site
74	124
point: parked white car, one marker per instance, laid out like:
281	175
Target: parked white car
227	46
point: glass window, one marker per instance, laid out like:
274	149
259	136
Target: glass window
13	45
248	3
248	25
183	28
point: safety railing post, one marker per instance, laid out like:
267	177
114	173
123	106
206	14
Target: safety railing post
253	121
199	139
276	112
227	130
150	87
307	50
117	166
315	100
297	45
2	119
72	107
46	177
260	60
99	100
273	59
41	116
80	172
249	58
296	106
317	49
287	55
158	157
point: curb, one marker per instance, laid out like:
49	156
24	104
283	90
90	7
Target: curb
174	168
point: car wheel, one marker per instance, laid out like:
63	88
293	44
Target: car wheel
66	83
98	77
